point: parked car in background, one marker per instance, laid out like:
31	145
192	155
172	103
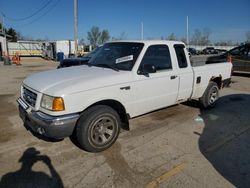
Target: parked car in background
239	56
209	50
79	60
220	51
198	52
192	51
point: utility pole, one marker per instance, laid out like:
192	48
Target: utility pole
141	30
75	27
187	33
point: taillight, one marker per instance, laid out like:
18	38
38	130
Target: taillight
229	60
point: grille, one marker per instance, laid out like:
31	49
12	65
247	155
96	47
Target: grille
29	97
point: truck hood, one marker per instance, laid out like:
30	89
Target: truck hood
64	81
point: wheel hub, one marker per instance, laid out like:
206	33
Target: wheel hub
103	130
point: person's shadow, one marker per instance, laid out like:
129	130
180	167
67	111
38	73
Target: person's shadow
26	178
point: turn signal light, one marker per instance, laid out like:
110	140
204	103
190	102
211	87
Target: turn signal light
58	104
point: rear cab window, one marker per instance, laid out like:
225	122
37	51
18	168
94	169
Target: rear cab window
158	56
181	56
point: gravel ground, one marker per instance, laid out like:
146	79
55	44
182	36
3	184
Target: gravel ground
181	146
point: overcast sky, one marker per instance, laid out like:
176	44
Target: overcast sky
53	19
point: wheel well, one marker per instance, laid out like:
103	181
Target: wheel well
217	80
119	108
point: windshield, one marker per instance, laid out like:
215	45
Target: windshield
93	52
119	55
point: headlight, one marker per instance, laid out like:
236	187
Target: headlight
52	103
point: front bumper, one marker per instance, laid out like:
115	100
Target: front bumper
49	126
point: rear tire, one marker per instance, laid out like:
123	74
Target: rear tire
98	128
210	96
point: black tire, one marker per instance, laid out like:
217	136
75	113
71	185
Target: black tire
210	96
98	128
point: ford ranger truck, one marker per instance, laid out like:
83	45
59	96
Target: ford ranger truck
125	79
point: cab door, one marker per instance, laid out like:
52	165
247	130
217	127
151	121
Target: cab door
157	83
185	73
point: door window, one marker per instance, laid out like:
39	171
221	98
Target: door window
158	56
181	56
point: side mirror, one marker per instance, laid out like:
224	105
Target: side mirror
147	69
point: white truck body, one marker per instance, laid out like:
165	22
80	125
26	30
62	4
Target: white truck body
83	86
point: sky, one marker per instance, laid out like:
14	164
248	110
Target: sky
53	19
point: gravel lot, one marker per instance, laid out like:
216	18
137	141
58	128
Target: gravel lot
181	146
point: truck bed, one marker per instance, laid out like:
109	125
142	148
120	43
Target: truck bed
197	61
206	72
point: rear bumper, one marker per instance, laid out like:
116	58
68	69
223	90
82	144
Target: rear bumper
49	126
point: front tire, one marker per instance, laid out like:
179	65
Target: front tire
98	128
210	96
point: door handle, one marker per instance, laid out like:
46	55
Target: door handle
125	88
173	77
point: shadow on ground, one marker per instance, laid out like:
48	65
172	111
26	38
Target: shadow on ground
26	178
225	140
241	74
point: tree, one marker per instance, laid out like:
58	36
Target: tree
97	37
122	36
104	37
184	39
248	36
205	36
201	37
172	37
13	33
94	36
196	37
81	42
224	43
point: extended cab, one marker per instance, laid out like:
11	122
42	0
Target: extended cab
123	80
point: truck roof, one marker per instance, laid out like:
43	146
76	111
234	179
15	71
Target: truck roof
151	42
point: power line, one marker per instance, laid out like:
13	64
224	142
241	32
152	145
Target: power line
42	15
30	16
51	8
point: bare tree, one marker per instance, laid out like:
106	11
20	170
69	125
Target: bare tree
172	37
97	37
122	36
184	39
248	36
224	43
201	37
94	36
104	37
196	38
205	36
81	42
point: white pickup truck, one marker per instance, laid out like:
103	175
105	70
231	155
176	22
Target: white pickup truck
123	80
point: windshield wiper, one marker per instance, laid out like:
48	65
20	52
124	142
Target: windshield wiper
106	66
